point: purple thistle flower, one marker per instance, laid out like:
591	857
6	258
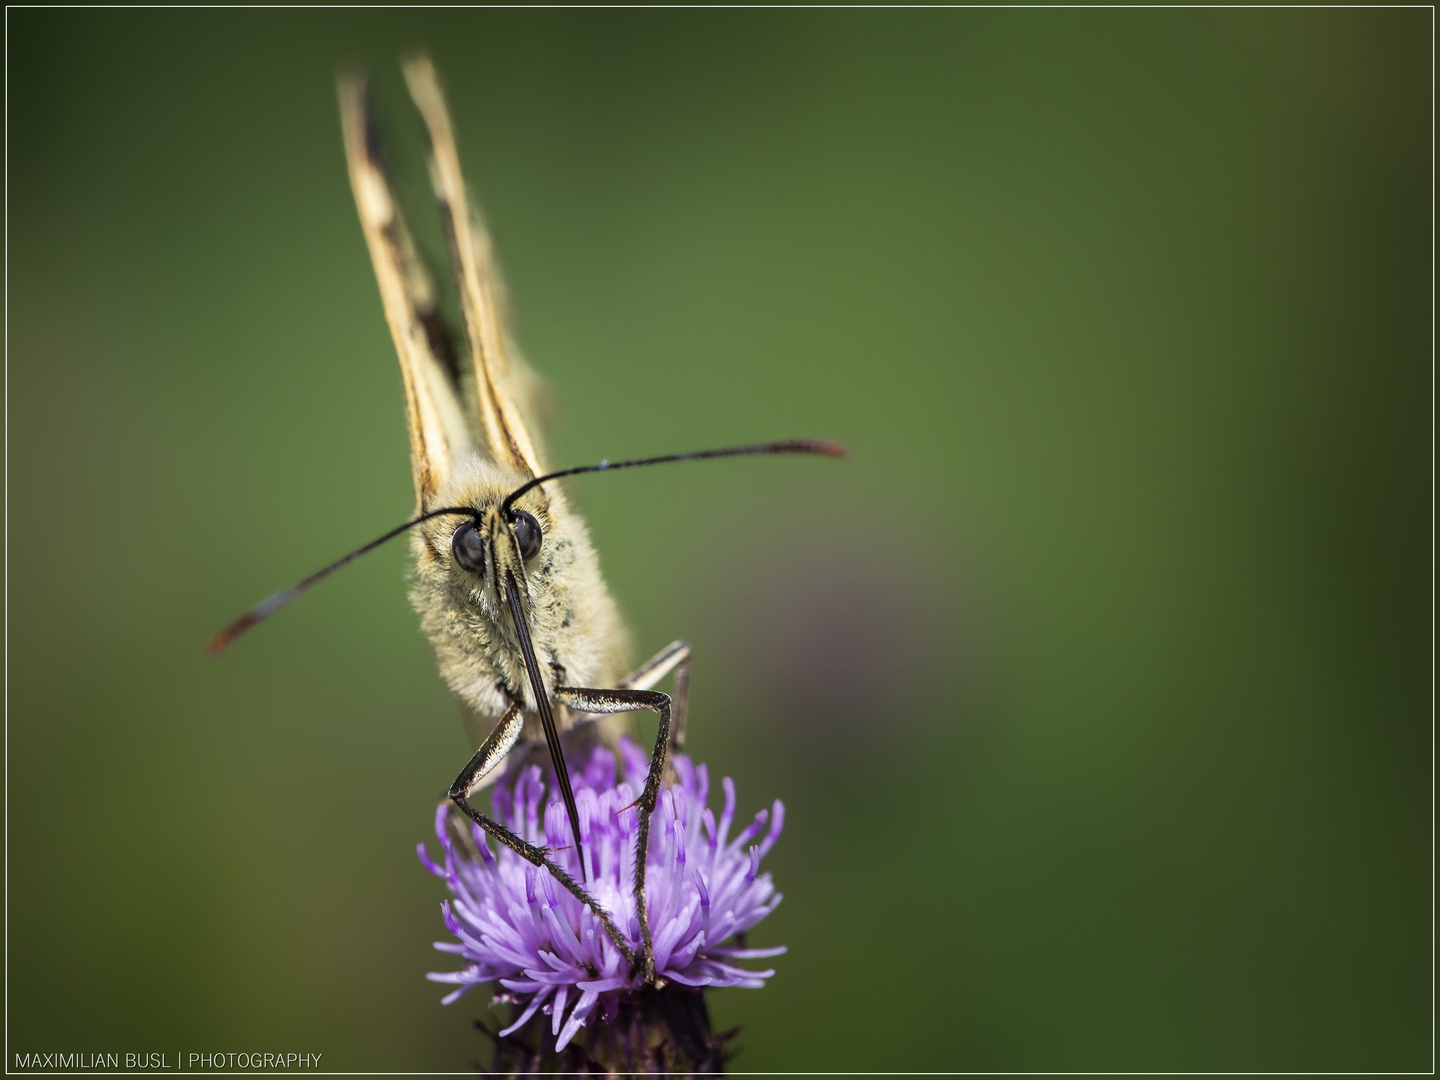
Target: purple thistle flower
514	925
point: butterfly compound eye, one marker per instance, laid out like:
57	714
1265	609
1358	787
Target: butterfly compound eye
468	547
527	533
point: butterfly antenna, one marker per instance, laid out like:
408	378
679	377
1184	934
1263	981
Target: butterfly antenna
273	603
784	446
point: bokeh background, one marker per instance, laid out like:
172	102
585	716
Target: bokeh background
1096	682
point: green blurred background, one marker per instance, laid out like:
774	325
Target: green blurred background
1097	682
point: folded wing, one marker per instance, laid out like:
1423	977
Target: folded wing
428	351
472	263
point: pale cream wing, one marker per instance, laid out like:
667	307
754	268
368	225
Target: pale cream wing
478	283
429	361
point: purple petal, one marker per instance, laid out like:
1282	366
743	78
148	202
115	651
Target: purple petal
728	814
600	986
529	1012
747	954
578	1016
557	1010
483	843
777	822
456	995
438	871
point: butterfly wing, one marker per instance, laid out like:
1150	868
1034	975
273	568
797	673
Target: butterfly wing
429	354
496	380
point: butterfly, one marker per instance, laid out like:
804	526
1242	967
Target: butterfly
506	581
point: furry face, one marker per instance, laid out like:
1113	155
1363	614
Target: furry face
574	626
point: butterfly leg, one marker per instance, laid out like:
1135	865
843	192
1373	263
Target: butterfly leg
492	751
674	657
626	700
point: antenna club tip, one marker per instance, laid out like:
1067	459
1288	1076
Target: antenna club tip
826	447
226	637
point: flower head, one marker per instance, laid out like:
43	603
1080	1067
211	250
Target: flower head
514	925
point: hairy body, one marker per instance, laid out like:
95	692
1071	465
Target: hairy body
575	627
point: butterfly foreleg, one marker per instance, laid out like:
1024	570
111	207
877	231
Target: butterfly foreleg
674	657
492	751
590	700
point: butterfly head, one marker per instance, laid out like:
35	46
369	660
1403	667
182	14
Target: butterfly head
499	570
